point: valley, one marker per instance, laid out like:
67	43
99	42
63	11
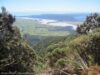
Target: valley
50	37
36	29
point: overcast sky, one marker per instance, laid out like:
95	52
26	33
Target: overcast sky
51	5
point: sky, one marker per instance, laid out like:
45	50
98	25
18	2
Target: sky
55	6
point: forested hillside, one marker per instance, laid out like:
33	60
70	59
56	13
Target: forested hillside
16	56
73	54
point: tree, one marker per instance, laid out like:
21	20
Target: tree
16	56
4	12
6	20
91	22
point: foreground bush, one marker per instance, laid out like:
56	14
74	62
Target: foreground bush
15	54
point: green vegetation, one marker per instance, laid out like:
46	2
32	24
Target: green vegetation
16	56
74	52
32	27
61	54
91	23
33	31
80	52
